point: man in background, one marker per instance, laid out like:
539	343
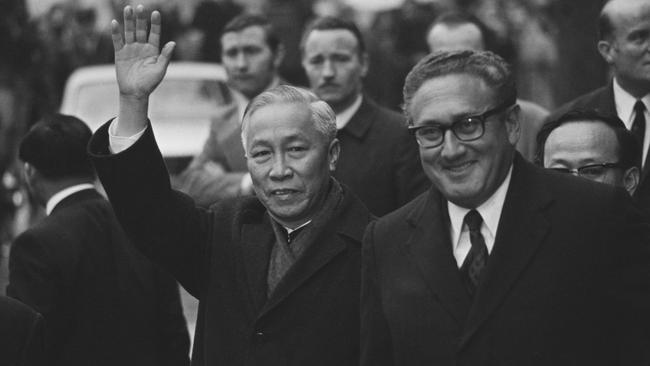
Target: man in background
103	302
593	146
251	53
460	31
624	33
379	159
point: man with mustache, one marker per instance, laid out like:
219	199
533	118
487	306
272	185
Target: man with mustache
379	159
276	275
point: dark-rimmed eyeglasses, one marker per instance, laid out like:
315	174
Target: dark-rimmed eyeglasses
591	171
468	128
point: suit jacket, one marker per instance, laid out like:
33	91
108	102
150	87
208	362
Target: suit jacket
602	100
103	302
567	281
21	335
221	257
379	159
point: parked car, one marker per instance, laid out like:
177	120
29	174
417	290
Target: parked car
180	108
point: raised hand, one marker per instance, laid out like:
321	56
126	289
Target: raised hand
139	64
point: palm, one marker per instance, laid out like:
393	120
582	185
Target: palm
139	65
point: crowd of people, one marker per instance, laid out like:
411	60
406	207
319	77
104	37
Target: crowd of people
319	226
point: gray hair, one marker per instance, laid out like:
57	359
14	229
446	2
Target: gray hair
489	67
322	114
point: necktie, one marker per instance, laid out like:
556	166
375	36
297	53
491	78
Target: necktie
638	125
477	257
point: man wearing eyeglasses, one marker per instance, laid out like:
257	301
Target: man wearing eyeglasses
591	145
500	262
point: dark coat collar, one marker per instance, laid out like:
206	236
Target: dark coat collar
361	121
522	227
77	197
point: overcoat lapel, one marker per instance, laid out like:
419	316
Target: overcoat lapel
257	241
430	250
323	250
522	228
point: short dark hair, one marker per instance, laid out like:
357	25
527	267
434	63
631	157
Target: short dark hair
456	18
243	21
332	23
629	151
56	147
488	66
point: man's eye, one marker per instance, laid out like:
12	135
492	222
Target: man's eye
315	61
296	148
260	154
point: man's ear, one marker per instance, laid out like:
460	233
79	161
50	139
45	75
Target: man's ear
28	171
279	56
365	61
606	50
631	179
513	125
333	154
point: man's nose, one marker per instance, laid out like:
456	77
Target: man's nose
241	61
329	71
451	146
280	169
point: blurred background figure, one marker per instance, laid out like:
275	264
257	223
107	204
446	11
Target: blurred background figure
461	31
379	158
593	146
103	302
21	334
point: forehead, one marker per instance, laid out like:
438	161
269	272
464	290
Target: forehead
628	14
250	36
582	141
331	41
456	37
280	121
444	98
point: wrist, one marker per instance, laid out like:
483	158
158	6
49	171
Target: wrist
133	114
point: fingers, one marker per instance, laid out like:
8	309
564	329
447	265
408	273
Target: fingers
140	25
116	35
166	54
154	34
129	24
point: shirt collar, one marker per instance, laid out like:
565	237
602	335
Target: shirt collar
490	211
64	193
625	104
345	116
290	230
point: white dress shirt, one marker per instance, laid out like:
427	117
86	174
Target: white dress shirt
62	194
490	211
625	109
345	116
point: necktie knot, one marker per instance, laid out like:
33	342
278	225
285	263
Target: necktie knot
473	220
639	107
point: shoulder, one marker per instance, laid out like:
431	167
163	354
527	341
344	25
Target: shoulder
532	111
400	217
591	100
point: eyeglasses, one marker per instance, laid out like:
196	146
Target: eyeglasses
468	128
591	171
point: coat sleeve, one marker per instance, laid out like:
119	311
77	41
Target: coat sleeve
376	346
208	178
164	224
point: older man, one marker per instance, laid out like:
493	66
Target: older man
593	146
501	262
624	29
277	275
460	31
378	158
251	54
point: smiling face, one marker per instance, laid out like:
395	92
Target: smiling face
334	66
249	61
289	161
466	173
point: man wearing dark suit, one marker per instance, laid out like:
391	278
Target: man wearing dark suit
378	157
103	302
251	55
624	30
500	262
277	275
21	335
